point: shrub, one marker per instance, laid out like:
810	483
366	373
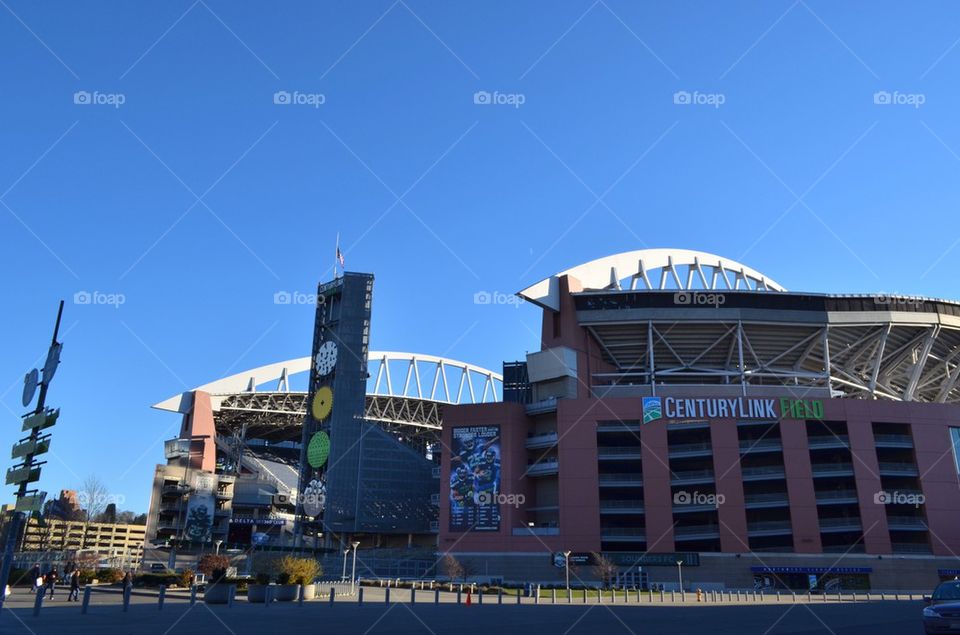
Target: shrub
214	565
109	576
185	578
157	579
298	570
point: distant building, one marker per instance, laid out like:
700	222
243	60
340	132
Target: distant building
59	541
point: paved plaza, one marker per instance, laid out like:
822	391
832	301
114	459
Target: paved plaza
345	616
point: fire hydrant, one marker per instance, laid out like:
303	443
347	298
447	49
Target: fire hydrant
699	595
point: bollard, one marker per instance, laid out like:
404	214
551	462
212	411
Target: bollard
839	599
360	597
536	599
301	594
778	596
661	596
459	596
569	596
553	595
231	596
413	595
161	596
500	595
650	593
683	595
480	597
599	596
126	598
268	596
193	594
38	602
519	597
86	600
673	595
436	595
386	598
896	595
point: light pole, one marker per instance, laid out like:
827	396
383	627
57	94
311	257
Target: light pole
218	543
566	564
680	573
353	573
346	552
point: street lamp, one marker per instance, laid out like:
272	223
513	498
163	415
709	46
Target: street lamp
680	573
566	562
218	543
346	552
353	573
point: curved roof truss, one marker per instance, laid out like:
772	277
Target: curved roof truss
653	269
394	374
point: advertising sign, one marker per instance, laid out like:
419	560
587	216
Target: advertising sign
199	523
475	479
679	409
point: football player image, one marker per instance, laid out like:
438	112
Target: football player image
486	477
461	487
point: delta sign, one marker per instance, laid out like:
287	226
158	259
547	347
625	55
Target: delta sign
696	409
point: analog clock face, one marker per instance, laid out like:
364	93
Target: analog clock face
322	403
326	358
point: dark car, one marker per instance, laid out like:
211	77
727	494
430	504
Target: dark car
942	613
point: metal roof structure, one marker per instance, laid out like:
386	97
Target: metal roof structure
654	269
408	395
680	317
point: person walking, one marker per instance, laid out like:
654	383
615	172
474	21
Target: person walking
74	594
51	582
35	578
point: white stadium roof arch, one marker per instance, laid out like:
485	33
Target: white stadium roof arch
408	388
653	269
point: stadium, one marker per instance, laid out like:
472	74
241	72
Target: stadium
687	420
370	460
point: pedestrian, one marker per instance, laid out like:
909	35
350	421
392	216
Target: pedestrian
51	581
127	580
74	586
35	580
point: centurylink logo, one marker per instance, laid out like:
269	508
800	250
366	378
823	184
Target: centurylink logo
675	408
652	409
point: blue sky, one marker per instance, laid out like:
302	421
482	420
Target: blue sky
178	184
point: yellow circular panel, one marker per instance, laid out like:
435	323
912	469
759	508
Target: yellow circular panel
322	403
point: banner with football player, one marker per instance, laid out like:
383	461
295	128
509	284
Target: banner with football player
475	479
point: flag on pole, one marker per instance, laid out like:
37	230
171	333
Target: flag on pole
340	256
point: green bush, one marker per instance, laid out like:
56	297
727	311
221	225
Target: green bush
185	578
157	579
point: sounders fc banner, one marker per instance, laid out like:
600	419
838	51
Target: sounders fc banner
475	479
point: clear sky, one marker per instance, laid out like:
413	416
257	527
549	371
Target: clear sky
144	158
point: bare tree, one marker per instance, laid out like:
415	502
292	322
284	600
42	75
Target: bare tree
605	569
452	568
92	497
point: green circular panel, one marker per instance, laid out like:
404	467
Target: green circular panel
318	450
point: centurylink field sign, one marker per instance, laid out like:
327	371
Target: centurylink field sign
683	408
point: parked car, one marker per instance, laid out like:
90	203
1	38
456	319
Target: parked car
942	613
157	567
